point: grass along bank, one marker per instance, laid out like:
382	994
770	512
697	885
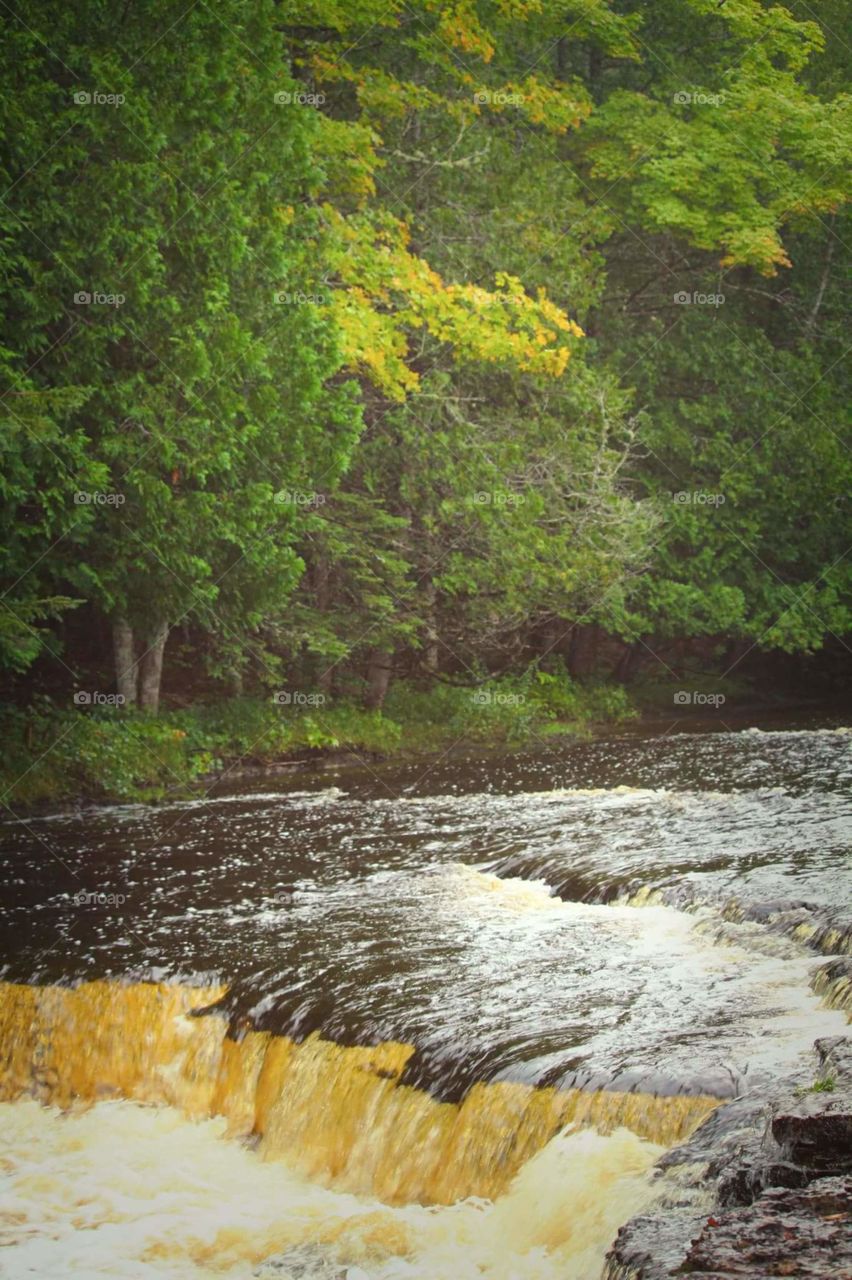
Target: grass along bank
58	754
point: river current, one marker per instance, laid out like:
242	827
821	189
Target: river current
429	1020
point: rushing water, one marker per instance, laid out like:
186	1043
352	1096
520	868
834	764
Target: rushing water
407	975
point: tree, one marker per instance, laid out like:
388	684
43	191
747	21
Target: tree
161	263
174	258
290	289
40	460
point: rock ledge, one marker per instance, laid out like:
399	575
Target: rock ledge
763	1188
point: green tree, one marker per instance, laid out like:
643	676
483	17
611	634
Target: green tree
160	260
40	457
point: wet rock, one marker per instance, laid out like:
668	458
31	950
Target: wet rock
763	911
826	929
307	1262
761	1189
726	1161
815	1130
835	1056
833	981
803	1233
749	1180
652	1246
821	928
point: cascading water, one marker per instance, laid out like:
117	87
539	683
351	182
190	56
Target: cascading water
127	1191
339	1113
507	1161
407	1036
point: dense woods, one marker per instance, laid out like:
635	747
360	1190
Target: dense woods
350	344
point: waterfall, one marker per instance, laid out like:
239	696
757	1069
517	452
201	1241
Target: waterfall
337	1114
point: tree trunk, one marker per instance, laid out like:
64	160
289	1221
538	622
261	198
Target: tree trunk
812	318
581	650
430	629
559	60
628	662
378	679
321	582
126	671
151	667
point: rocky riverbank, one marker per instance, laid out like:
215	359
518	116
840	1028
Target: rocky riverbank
762	1189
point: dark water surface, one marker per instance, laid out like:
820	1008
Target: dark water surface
475	908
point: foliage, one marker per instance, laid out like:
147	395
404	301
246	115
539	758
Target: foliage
207	394
38	453
107	754
354	344
512	710
826	1085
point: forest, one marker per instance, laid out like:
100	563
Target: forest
397	373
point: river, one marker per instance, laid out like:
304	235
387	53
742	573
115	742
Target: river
427	1021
